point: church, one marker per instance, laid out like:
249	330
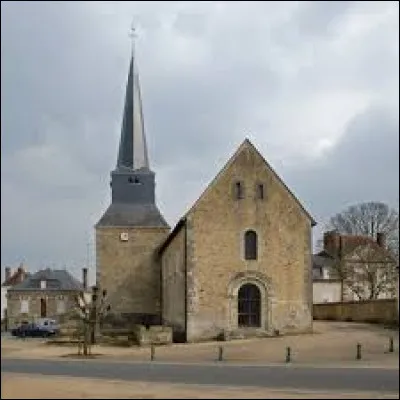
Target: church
238	263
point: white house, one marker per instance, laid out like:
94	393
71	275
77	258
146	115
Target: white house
360	257
326	285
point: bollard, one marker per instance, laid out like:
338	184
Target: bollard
220	353
391	345
288	355
152	352
358	356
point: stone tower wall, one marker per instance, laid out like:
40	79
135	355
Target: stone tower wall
130	271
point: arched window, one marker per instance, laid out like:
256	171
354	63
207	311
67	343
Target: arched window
250	245
249	306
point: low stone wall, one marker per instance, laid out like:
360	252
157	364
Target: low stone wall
372	311
138	334
155	334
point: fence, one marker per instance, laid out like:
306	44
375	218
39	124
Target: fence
373	311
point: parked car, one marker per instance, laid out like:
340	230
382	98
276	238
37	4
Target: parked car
48	322
34	330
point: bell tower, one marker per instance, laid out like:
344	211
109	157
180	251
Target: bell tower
132	228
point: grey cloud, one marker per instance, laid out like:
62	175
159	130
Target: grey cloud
363	166
319	18
241	73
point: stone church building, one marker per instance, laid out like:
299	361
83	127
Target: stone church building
237	263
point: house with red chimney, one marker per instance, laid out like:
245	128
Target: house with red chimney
11	279
352	268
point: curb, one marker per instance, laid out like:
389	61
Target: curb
216	363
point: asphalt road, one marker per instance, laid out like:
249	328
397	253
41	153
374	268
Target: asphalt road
353	379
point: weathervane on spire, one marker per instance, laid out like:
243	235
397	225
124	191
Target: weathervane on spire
133	36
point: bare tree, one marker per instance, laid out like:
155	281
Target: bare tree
369	219
90	312
368	273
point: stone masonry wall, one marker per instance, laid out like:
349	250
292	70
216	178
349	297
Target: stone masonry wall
216	265
173	289
129	270
371	311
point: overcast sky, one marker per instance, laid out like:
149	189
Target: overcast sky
314	85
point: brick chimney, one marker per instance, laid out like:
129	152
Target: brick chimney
381	239
84	277
332	242
8	273
21	273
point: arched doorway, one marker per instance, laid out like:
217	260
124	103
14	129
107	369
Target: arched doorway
249	306
43	308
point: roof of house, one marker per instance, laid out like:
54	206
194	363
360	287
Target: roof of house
55	279
351	242
322	259
15	278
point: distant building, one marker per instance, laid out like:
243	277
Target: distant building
326	283
360	257
11	279
45	294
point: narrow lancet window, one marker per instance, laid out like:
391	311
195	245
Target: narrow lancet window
250	245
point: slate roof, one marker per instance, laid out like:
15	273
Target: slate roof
56	280
322	260
133	148
139	215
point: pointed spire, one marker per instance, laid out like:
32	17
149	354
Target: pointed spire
133	148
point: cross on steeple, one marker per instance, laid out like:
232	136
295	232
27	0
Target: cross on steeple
133	148
133	36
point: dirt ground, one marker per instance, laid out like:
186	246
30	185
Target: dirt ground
331	343
19	386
